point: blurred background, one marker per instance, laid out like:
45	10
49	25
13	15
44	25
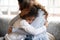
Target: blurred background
9	9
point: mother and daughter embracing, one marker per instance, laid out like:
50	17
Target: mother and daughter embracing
31	24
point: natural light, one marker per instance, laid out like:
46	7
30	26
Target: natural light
9	7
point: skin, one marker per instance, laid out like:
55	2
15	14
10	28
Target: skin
9	30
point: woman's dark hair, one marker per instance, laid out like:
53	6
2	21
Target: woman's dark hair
33	11
23	4
20	1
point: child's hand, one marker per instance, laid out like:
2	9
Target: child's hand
46	24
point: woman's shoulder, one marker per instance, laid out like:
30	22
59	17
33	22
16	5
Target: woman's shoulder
12	21
16	23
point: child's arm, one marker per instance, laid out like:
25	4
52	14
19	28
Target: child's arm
30	29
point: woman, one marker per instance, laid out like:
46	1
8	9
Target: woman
37	23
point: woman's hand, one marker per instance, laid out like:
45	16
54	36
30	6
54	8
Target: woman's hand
9	30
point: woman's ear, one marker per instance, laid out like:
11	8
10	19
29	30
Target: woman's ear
24	12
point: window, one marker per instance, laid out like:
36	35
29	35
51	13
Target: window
54	6
8	6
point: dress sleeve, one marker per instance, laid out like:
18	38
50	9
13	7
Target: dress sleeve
30	29
40	21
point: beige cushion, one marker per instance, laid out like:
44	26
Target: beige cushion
51	37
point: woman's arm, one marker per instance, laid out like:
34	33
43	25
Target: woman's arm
30	29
